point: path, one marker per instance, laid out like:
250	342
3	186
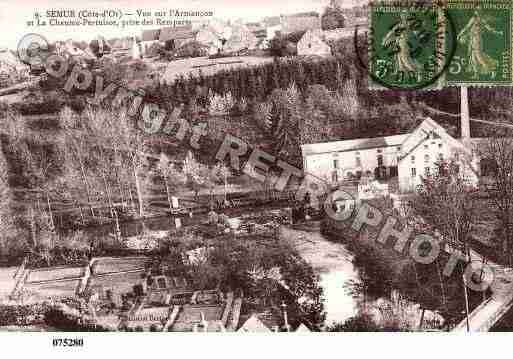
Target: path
488	313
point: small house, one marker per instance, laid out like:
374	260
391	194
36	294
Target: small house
11	67
272	27
210	38
300	22
241	38
148	38
313	43
174	37
137	51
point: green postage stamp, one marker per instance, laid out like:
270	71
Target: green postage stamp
449	43
483	37
407	46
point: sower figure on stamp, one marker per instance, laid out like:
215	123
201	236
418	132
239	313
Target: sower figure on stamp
479	63
397	39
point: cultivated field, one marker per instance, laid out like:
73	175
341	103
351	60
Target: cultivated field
53	289
56	273
208	66
120	282
7	281
114	265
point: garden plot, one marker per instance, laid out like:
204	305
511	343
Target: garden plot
114	265
55	273
7	281
117	282
54	290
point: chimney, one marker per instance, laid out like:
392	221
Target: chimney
465	116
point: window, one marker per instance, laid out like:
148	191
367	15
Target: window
379	151
426	171
334	176
426	147
309	46
380	160
335	164
413	172
426	158
398	148
412	159
439	145
358	160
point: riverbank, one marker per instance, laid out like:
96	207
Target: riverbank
332	262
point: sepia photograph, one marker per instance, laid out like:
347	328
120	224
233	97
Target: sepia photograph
313	166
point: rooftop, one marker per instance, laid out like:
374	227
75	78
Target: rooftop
176	33
353	145
150	35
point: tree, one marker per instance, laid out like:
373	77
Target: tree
172	177
445	202
221	173
9	244
332	18
498	153
197	174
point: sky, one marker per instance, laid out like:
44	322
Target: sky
15	14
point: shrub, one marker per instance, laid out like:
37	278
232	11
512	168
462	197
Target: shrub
191	49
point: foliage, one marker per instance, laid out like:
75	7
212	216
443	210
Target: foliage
446	204
281	46
332	18
220	104
498	153
359	323
267	273
191	49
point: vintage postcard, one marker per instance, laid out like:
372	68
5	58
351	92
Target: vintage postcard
226	166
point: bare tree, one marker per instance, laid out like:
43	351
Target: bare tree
172	177
446	204
498	153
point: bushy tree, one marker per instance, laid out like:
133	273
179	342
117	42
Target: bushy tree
332	18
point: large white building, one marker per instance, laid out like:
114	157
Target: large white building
407	157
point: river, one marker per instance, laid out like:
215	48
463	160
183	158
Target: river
333	262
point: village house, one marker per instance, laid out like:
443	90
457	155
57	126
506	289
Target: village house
272	27
300	22
406	157
317	42
174	37
137	51
210	38
148	38
313	43
241	38
11	68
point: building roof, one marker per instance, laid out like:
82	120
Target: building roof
427	127
272	21
353	145
300	22
176	33
254	26
150	35
8	59
303	329
254	325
